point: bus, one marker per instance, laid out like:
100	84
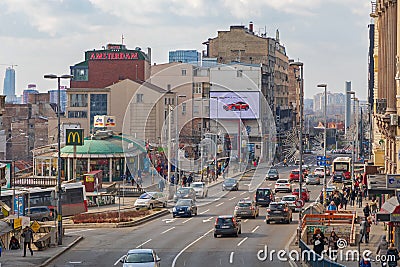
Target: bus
73	198
343	165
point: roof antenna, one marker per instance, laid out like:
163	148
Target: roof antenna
122	38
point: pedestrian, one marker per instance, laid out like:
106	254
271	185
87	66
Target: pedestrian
318	240
344	202
374	205
190	179
352	197
359	198
368	229
367	211
161	185
382	248
28	238
184	180
365	262
332	206
332	246
365	191
392	256
14	243
363	230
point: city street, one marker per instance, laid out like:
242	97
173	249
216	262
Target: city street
190	241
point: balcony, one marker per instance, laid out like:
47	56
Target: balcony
380	106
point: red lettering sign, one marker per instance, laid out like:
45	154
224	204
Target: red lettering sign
113	56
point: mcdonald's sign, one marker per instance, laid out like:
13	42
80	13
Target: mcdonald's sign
74	137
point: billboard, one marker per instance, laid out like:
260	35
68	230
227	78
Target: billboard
102	121
235	105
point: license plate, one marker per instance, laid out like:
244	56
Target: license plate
181	212
225	226
277	212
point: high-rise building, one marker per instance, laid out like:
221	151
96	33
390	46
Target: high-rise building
31	90
63	97
9	85
184	56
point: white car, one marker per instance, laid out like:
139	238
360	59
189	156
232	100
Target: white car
200	188
291	201
319	172
150	200
283	185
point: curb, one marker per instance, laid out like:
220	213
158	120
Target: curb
287	246
118	225
77	240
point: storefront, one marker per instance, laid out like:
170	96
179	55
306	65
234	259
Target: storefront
390	213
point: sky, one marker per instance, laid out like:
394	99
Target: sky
48	36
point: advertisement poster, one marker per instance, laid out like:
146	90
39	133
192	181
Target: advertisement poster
99	121
19	205
235	105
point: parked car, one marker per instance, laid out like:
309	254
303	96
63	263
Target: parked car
230	184
272	174
305	193
283	185
184	192
264	196
227	225
278	212
184	207
237	106
246	208
140	257
150	200
200	188
313	179
40	213
291	201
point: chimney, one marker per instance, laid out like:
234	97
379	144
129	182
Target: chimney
251	26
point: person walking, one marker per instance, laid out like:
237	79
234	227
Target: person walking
367	211
332	246
352	197
27	234
161	185
363	230
392	256
332	206
382	248
368	229
318	240
344	202
359	198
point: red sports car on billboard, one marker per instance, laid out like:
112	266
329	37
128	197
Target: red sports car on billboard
237	106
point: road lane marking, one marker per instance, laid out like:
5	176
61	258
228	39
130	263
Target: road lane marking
245	220
75	262
243	193
168	220
241	242
168	230
188	246
219	204
255	229
74	232
232	198
204	211
118	260
231	257
207	220
144	243
185	221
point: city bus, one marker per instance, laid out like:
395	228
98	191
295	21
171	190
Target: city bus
343	165
73	198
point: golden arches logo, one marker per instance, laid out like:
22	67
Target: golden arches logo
74	135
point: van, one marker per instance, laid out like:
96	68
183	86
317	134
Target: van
264	196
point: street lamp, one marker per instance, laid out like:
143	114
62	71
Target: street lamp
301	82
325	86
59	210
176	134
352	144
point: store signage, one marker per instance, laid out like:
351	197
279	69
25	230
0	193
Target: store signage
99	121
113	55
394	217
104	121
74	137
392	180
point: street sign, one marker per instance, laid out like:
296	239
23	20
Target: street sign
74	137
319	158
299	203
35	226
392	180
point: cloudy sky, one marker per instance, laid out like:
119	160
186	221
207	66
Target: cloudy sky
329	36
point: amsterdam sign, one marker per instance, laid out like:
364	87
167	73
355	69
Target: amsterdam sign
74	137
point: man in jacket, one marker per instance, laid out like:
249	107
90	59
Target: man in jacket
382	247
28	238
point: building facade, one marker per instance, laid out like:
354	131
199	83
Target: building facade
9	85
63	97
184	56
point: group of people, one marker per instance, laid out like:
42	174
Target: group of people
27	235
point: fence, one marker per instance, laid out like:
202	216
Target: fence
314	260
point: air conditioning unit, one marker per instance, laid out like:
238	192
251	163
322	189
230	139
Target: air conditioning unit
394	119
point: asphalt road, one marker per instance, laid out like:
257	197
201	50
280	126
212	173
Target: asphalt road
189	241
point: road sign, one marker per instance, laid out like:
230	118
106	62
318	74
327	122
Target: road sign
299	203
35	226
321	158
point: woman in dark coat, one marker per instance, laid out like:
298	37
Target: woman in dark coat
318	241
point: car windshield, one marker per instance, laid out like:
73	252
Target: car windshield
183	202
302	190
311	176
230	181
139	258
263	192
276	206
145	196
197	185
244	204
224	220
183	191
295	172
273	171
282	181
288	198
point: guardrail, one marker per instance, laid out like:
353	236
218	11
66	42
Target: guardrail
315	260
35	181
130	191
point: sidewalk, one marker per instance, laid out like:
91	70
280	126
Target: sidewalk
14	258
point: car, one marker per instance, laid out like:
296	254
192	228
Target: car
272	174
313	179
184	207
200	188
184	192
278	212
150	200
283	185
264	196
227	225
338	177
305	193
40	213
246	208
291	201
240	105
230	184
140	257
294	175
319	171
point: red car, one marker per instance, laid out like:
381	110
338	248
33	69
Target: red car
294	175
305	194
237	106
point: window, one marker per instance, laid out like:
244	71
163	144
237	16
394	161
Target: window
195	109
77	114
183	108
78	100
197	88
139	98
183	72
98	105
239	73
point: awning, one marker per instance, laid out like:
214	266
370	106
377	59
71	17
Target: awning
388	208
5	228
376	184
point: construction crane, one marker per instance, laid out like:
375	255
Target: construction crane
10	65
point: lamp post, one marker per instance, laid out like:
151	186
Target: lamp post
325	86
301	83
59	206
352	146
176	134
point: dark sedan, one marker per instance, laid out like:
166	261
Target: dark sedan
230	184
184	207
272	174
